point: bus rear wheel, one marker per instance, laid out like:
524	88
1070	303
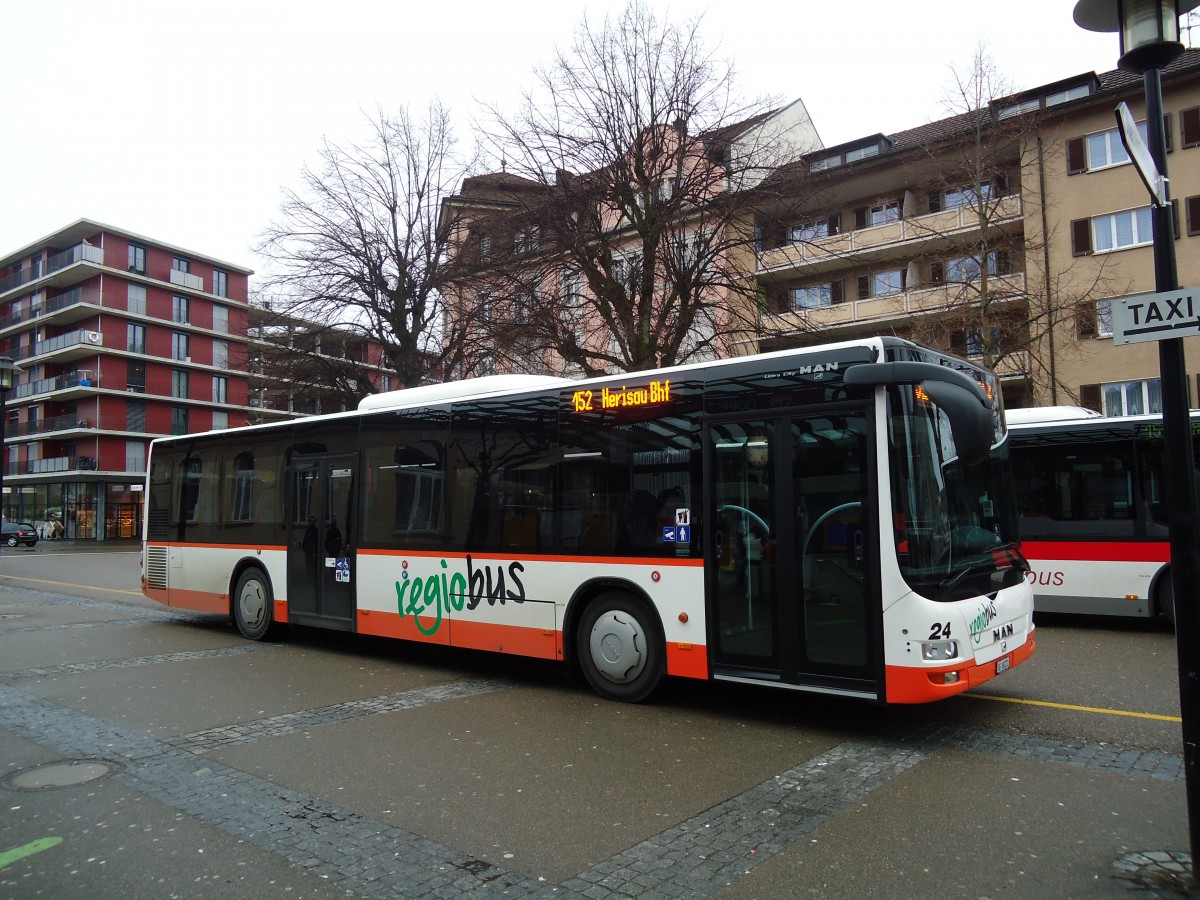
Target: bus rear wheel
619	649
253	609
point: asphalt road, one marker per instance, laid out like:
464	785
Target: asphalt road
192	763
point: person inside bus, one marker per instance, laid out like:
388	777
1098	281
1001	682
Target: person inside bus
333	538
639	525
309	545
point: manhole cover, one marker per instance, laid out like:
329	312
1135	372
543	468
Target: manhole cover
60	775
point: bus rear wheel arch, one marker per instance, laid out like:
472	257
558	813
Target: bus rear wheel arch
253	604
619	647
1163	592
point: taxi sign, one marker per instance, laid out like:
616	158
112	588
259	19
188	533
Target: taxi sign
1157	316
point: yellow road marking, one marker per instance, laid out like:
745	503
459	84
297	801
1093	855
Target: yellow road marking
1090	709
89	587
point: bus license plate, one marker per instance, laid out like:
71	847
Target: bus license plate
1003	665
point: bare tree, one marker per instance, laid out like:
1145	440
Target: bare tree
619	235
357	246
1004	302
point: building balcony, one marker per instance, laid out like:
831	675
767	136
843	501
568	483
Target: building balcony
62	348
58	271
901	239
52	425
875	310
187	280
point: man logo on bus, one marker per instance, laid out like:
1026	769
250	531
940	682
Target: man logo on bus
430	594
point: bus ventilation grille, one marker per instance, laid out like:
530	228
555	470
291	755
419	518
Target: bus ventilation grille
156	567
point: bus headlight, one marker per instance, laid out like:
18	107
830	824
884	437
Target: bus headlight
937	650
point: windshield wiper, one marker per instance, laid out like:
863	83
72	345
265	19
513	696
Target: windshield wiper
1010	552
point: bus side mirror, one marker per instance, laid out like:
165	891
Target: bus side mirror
970	421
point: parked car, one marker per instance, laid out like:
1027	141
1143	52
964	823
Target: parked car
13	533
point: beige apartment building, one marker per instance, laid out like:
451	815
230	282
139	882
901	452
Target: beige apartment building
1001	234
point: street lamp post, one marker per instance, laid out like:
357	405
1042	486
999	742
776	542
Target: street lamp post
8	374
1149	31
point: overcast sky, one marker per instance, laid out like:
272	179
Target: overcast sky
182	121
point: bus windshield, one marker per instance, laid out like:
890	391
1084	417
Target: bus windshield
955	525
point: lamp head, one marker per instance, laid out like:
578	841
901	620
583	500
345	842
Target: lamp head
8	373
1149	29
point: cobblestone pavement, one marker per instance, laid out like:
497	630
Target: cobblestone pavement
694	858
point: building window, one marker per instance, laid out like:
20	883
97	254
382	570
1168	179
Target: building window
220	283
135	377
815	296
1128	228
220	389
135	338
221	319
179	310
814	229
881	284
862	153
220	420
135	415
1105	148
220	350
179	346
181	264
528	240
1104	318
179	383
969	268
137	259
884	213
1132	398
967	195
1074	93
136	299
179	420
1020	109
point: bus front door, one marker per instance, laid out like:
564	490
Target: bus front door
791	588
321	561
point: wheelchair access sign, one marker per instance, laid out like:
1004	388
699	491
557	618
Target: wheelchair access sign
1156	317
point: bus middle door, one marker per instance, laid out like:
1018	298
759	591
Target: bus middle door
791	571
321	560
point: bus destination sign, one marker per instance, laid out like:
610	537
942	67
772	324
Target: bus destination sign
652	393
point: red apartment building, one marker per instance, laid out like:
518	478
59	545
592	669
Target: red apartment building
119	338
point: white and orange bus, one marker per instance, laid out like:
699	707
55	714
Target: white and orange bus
1090	496
838	519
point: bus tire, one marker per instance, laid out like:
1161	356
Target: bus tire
253	608
619	648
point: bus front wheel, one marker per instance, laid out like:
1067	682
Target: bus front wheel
253	609
619	649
